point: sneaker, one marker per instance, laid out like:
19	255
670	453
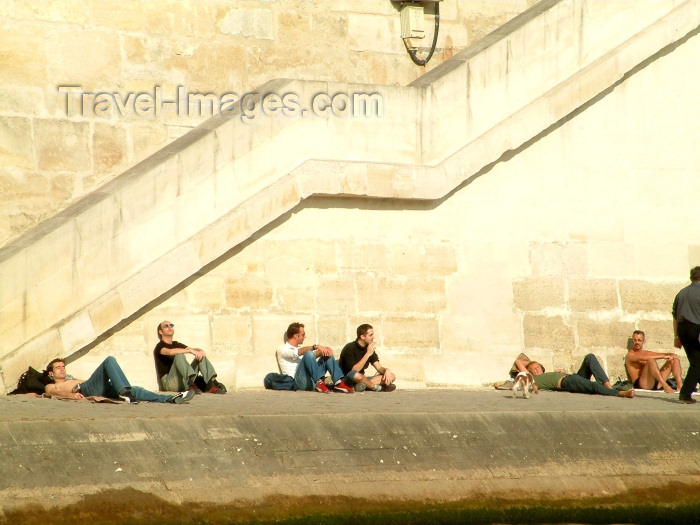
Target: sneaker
216	388
341	386
195	389
388	388
687	400
321	387
377	388
360	387
182	397
126	396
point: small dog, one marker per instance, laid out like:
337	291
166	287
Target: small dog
525	382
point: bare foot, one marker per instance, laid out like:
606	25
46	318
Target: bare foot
669	390
626	393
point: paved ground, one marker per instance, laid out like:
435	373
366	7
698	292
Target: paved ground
409	445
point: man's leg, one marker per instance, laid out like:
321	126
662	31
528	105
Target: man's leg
688	334
146	395
99	382
330	365
651	376
308	372
676	371
579	385
591	367
180	376
205	368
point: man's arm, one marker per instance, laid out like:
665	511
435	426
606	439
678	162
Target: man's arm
642	356
198	353
676	339
369	350
521	364
389	376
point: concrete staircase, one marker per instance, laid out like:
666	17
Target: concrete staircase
86	271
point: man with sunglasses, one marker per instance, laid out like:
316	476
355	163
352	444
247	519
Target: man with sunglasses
175	373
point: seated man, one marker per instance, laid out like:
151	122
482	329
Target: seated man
308	365
357	355
644	371
107	381
578	383
175	373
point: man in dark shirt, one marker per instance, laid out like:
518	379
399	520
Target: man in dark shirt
357	355
686	330
174	373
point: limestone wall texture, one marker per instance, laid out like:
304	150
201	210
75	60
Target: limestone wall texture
51	155
571	226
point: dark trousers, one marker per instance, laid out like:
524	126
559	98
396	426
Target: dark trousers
580	382
688	334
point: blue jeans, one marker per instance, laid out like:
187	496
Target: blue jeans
311	370
108	380
580	383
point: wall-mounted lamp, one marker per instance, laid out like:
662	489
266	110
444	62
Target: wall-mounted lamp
412	27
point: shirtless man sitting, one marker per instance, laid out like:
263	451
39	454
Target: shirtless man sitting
644	371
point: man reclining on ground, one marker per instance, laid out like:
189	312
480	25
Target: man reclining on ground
578	383
107	381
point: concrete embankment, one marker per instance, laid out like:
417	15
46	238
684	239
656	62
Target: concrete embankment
406	448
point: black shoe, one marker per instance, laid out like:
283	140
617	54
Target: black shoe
687	400
182	397
126	396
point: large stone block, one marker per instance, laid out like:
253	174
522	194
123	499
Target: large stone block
644	296
256	23
106	312
248	292
337	296
401	294
250	372
603	333
207	291
370	32
62	146
232	335
540	331
434	259
592	294
331	332
109	146
24	59
16	140
538	293
401	334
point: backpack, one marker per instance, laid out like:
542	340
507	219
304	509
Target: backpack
32	382
275	381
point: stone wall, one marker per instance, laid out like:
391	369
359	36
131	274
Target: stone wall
558	248
562	250
49	158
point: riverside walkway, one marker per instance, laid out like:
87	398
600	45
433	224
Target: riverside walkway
272	454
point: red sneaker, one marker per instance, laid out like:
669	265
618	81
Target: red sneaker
321	387
341	386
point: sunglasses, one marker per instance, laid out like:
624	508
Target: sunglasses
166	325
